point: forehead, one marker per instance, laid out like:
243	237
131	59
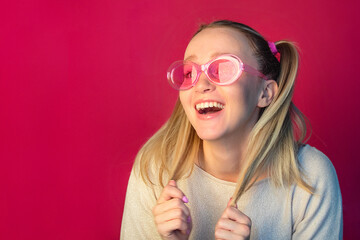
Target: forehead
215	41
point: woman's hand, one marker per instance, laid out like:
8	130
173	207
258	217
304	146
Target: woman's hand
233	224
172	217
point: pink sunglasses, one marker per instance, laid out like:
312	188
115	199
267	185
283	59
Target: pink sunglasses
222	70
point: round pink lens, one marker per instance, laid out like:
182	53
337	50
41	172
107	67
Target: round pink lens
183	75
222	71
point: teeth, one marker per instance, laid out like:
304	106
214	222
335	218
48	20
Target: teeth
209	104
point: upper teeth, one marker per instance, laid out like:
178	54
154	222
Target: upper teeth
208	104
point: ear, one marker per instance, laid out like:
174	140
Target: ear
267	94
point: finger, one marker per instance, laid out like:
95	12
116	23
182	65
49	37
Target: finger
170	215
224	234
232	203
171	191
184	198
226	224
166	228
172	204
229	204
235	227
172	183
236	215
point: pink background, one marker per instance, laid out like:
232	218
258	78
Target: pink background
82	86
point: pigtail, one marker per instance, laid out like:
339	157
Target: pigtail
272	147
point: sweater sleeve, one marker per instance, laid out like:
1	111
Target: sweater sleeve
318	215
137	221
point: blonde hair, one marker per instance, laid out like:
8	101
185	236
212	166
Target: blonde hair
274	140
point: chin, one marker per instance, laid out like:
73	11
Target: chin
209	135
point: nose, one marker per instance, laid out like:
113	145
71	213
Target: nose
204	85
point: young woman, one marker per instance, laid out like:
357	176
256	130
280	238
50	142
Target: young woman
231	162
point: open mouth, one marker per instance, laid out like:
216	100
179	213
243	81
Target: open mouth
209	107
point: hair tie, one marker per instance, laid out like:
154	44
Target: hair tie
274	51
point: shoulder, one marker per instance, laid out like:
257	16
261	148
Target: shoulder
316	166
137	221
318	171
139	192
144	178
311	157
148	170
317	215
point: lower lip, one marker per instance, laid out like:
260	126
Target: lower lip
208	116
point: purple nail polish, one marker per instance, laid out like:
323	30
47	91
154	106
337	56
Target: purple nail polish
185	199
188	219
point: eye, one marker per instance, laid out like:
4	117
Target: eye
222	70
188	74
213	70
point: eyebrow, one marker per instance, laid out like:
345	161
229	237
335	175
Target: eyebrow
193	57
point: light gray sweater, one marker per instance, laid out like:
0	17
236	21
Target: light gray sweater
276	213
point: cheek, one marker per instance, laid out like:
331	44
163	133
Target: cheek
185	99
182	99
251	88
240	93
244	95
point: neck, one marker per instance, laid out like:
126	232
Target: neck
224	158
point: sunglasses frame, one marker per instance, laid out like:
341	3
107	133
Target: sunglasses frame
204	68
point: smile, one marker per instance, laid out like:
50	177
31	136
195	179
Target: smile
209	107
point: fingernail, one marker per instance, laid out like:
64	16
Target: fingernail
188	231
188	219
185	199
